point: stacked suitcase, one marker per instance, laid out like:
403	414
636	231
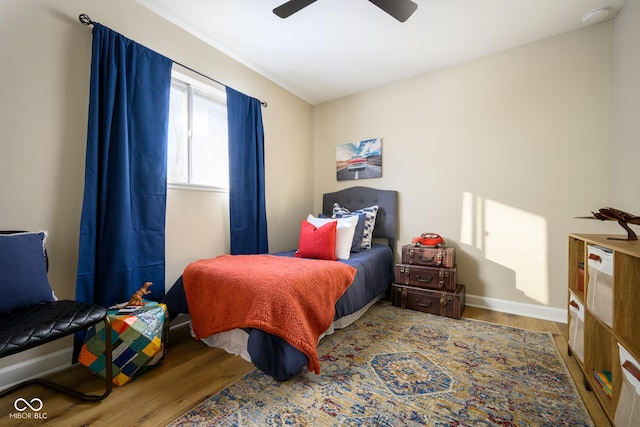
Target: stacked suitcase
426	281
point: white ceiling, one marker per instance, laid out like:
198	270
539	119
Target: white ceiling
335	48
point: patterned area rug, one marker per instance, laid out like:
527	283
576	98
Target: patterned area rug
398	367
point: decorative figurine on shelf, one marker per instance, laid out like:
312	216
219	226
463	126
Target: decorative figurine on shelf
623	218
136	298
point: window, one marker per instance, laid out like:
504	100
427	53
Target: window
198	144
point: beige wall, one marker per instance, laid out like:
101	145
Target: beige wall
626	109
498	155
46	56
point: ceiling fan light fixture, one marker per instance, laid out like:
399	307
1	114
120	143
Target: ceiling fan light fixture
596	15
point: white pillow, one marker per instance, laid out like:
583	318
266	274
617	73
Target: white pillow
345	230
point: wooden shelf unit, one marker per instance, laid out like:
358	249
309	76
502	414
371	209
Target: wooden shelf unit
601	341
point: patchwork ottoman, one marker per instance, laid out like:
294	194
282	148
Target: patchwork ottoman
139	342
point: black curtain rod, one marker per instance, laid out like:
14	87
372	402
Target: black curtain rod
85	20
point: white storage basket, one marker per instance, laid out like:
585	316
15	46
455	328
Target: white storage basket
576	327
600	286
628	409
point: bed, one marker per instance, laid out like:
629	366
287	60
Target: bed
279	354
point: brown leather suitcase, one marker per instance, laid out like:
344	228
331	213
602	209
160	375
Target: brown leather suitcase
442	303
432	257
443	279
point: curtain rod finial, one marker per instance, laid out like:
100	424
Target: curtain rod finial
85	20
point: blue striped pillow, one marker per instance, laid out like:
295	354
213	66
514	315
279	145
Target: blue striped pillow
370	221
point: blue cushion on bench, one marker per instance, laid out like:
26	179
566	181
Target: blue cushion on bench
23	271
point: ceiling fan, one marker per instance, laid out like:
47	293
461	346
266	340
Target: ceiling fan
399	9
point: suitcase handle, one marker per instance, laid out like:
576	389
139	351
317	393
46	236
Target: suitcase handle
427	305
420	278
428	279
427	260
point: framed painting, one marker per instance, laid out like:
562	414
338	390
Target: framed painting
359	160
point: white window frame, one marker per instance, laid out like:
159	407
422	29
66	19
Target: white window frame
216	91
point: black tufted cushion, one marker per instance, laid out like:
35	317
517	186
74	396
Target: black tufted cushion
38	324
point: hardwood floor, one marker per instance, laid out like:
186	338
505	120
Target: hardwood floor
192	372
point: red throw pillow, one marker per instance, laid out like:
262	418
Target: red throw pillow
317	242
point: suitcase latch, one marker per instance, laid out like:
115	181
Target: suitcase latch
443	274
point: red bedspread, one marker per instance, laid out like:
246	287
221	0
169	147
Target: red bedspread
293	298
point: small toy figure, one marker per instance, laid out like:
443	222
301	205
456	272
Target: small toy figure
136	298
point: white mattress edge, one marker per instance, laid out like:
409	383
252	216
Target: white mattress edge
235	341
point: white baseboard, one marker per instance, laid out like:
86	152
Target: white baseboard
180	321
35	368
521	309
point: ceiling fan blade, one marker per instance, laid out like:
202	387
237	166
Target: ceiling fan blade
399	9
289	8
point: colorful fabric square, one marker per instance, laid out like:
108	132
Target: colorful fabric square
371	212
137	339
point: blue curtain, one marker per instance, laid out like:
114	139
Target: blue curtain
123	213
247	212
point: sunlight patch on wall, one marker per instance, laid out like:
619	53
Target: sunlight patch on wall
472	225
510	237
466	227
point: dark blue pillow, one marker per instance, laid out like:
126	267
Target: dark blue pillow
23	271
